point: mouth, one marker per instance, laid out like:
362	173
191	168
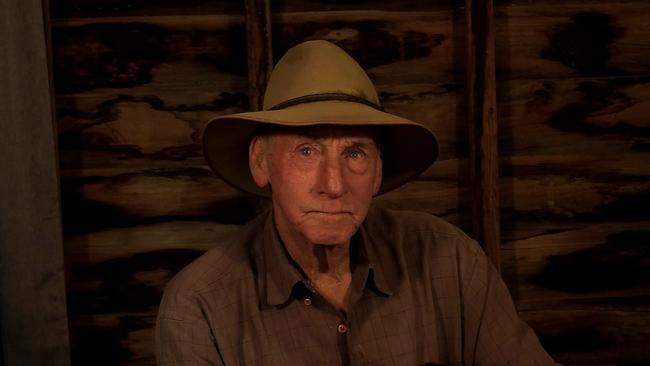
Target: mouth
328	213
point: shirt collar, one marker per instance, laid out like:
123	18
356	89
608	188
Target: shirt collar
379	265
278	274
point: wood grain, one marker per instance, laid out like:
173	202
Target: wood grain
260	55
134	93
572	39
533	41
108	8
482	123
588	337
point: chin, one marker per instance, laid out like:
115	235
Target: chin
330	234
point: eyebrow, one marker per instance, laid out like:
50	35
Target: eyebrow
361	144
367	141
316	135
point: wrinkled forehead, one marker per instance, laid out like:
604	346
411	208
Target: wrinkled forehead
318	132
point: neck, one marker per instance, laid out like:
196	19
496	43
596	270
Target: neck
322	261
317	260
327	267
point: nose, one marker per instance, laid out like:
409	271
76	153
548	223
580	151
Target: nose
331	181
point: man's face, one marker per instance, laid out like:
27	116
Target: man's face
322	181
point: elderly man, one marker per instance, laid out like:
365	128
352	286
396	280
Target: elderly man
324	278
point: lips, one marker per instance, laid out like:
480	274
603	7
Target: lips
332	213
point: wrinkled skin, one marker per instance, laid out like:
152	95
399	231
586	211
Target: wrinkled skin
322	181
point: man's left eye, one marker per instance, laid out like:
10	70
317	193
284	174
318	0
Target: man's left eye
306	151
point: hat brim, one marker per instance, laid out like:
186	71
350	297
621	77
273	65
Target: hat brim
408	148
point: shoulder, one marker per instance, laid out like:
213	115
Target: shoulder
228	261
389	221
418	232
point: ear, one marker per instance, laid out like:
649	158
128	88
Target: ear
257	161
378	176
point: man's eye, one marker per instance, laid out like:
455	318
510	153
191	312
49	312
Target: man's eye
356	154
306	151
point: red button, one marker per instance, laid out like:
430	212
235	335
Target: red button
342	328
307	301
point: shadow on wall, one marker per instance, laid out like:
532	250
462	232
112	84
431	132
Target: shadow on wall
120	306
622	263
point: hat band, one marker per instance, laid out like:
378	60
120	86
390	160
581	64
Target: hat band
323	97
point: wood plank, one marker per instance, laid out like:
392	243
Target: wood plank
531	41
97	203
125	338
482	123
574	143
95	248
109	8
572	39
134	263
593	337
574	180
122	52
586	264
375	38
62	9
32	285
553	117
162	127
107	267
258	45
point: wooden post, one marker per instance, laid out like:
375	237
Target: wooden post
33	321
260	57
481	92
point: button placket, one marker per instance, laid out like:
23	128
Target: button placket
357	353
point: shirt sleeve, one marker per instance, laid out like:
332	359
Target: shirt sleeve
183	335
493	332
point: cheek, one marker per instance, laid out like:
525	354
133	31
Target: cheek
290	187
365	184
295	182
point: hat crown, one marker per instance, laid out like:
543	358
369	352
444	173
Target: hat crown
317	67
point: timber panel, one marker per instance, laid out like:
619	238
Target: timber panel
139	202
574	131
135	91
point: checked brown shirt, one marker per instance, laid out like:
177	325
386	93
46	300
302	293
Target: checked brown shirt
422	293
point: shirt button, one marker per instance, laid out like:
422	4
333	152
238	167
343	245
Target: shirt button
342	328
307	301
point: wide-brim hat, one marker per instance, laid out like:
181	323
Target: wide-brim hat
317	83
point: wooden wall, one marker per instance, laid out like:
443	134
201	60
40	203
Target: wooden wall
574	141
136	81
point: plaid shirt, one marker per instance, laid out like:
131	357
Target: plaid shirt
422	293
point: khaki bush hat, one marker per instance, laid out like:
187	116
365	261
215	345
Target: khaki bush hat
317	83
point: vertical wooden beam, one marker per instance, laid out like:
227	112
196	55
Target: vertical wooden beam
260	57
482	108
33	321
